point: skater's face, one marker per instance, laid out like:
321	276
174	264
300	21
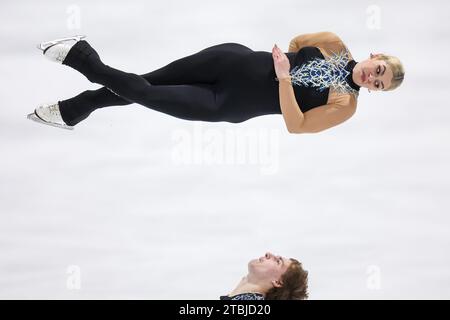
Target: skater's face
373	74
268	268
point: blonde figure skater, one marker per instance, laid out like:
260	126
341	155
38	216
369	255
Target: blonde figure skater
315	85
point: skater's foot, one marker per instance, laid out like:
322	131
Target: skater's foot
57	50
49	114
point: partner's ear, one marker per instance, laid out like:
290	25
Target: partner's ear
277	283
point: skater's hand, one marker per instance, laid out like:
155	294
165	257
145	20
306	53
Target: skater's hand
281	62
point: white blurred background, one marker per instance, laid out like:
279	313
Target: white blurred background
106	211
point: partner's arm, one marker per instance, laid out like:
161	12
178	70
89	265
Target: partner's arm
316	119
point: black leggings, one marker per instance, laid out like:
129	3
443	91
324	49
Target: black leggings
201	86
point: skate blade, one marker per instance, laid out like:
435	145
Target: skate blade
34	117
44	45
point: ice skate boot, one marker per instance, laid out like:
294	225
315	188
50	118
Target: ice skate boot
49	114
56	50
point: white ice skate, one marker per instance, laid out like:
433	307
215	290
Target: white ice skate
56	50
44	45
49	114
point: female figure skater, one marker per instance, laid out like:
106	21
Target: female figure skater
314	86
272	278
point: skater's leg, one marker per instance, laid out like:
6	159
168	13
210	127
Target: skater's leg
190	102
197	68
204	66
78	108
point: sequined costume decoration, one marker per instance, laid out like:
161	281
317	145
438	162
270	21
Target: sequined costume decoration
248	296
323	73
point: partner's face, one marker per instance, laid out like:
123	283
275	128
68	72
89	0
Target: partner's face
269	267
373	74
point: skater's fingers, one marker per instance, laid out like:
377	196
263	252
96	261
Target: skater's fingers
279	51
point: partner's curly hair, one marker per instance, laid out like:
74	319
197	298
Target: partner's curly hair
294	284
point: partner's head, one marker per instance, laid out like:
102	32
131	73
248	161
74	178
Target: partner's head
379	72
279	277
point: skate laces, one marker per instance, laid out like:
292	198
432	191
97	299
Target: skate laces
51	113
